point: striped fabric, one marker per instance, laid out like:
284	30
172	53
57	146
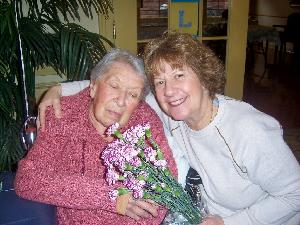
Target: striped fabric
193	181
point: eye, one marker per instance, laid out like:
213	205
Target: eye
133	95
179	76
114	85
159	83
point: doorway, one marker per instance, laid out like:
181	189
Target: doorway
152	20
135	22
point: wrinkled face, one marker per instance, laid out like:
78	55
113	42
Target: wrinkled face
115	95
180	94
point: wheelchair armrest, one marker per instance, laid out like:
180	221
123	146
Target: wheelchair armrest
19	211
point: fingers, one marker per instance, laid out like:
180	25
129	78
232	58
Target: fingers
38	124
138	209
57	108
152	202
42	112
41	117
133	215
51	98
212	220
136	212
149	207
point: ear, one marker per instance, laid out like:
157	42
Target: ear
93	89
205	90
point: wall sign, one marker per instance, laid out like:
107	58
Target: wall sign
185	0
184	16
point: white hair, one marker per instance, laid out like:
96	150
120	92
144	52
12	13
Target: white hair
117	55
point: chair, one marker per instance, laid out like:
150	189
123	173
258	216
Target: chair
290	33
19	211
258	39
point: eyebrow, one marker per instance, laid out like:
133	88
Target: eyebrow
173	71
117	79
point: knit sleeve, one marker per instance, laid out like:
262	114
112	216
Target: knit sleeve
271	165
41	176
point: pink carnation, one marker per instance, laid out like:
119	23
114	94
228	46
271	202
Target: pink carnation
111	176
138	193
160	163
150	154
111	130
113	194
133	134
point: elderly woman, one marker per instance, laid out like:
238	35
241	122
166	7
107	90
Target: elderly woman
63	167
249	174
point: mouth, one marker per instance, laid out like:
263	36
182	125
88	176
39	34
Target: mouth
115	115
177	102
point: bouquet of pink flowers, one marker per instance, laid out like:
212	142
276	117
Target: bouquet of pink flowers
136	160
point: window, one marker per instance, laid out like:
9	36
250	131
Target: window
216	7
294	3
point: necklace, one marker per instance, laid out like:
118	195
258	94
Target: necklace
211	113
205	120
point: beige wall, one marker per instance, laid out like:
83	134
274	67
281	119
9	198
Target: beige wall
90	24
48	77
271	12
125	21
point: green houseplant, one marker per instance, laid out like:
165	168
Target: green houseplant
35	34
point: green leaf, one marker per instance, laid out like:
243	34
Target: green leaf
148	133
141	154
146	195
160	154
119	135
167	172
149	179
122	191
121	178
129	167
140	177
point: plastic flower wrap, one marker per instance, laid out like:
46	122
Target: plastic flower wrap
136	160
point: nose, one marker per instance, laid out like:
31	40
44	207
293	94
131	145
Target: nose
121	99
169	89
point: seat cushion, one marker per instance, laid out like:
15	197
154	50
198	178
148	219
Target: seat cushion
16	210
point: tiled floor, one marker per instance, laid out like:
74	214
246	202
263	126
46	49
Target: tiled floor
277	94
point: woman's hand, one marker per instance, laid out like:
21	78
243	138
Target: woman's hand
51	98
212	220
136	208
141	208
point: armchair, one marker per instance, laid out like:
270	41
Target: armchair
19	211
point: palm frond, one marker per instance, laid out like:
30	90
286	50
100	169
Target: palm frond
47	39
7	19
79	51
10	149
7	28
35	39
69	9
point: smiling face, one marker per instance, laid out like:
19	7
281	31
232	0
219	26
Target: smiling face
115	95
182	96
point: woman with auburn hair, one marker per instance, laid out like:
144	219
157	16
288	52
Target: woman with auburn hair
249	174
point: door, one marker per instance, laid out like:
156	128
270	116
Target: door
121	26
221	24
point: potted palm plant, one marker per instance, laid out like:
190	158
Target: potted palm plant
35	34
